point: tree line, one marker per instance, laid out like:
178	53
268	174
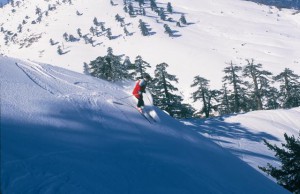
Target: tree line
245	88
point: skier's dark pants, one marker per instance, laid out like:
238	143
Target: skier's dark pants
140	101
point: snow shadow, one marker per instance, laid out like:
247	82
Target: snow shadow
219	128
3	3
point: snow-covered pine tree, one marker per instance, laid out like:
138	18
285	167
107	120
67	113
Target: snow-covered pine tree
233	79
288	154
59	50
79	32
108	33
259	82
141	2
204	94
289	88
153	5
272	96
183	19
140	67
169	8
168	30
162	14
86	68
20	28
38	11
126	31
164	92
143	28
224	101
66	37
131	11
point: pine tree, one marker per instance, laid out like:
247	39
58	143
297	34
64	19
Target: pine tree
162	14
109	34
79	32
204	94
20	28
169	8
59	50
153	5
224	99
168	30
143	28
108	67
272	96
288	175
131	10
183	20
233	79
260	81
126	31
164	92
86	69
289	88
140	66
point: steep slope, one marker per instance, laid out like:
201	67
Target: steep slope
218	32
61	133
243	134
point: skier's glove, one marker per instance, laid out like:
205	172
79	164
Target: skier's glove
140	93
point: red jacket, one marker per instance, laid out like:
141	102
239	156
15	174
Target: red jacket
140	87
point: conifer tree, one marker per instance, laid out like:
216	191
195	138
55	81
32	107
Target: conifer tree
168	30
153	5
289	88
126	31
288	175
162	14
259	81
233	79
108	67
204	94
131	10
164	92
169	8
109	34
143	28
183	20
140	66
224	99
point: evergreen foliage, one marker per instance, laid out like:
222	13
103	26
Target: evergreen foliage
143	28
289	88
288	175
204	94
108	67
169	8
164	92
183	20
259	82
140	67
233	79
168	30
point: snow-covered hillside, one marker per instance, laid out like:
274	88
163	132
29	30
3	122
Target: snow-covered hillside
218	32
243	134
62	133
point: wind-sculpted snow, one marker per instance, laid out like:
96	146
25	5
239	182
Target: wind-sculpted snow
61	133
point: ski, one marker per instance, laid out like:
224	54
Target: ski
143	114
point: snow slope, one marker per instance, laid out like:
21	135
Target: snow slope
219	31
243	134
61	133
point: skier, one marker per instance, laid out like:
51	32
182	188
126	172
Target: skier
139	89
